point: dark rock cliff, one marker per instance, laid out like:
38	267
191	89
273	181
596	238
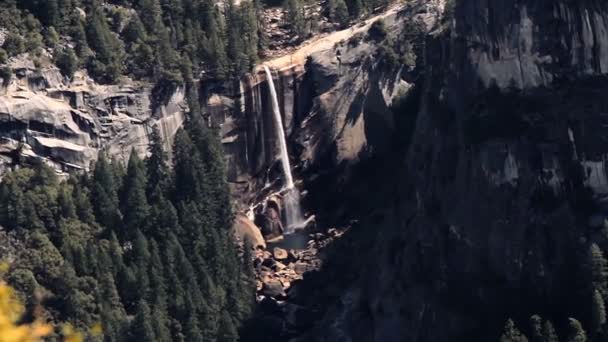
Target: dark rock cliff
502	186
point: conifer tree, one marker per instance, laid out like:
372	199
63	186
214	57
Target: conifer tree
164	219
338	12
67	61
156	163
13	215
598	269
134	31
142	329
111	306
549	333
177	300
227	331
295	17
82	204
598	310
512	334
152	19
536	325
107	65
105	195
135	203
577	334
193	332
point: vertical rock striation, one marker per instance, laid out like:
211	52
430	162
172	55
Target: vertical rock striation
504	182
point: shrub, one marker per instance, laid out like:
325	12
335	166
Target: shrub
66	61
14	44
3	56
378	31
6	74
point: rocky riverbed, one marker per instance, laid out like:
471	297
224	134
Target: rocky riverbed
280	272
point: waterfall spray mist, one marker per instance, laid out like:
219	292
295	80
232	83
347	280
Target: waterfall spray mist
291	199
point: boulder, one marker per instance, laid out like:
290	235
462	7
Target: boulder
273	288
301	267
279	254
245	229
293	255
271	224
279	266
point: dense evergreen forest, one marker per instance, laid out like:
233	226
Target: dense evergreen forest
159	40
146	250
164	41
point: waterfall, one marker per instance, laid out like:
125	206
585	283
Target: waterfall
293	213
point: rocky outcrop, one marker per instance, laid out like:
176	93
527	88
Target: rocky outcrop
66	123
244	230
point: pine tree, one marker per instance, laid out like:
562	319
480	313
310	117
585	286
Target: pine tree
164	219
338	12
598	310
141	328
67	61
295	17
135	203
13	215
78	33
598	269
188	169
177	300
193	332
577	334
355	8
215	298
227	331
549	333
111	306
105	195
82	204
536	325
67	208
156	163
250	31
152	19
134	31
107	64
512	334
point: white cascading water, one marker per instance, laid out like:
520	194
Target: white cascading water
293	213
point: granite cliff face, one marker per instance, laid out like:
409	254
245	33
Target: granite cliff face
502	187
66	123
335	96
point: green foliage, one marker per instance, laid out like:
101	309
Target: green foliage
295	17
51	37
512	334
549	333
67	61
145	39
3	56
377	30
598	310
577	334
14	44
338	12
597	269
6	74
112	248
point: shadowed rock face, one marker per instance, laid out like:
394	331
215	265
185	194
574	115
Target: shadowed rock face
66	124
503	183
